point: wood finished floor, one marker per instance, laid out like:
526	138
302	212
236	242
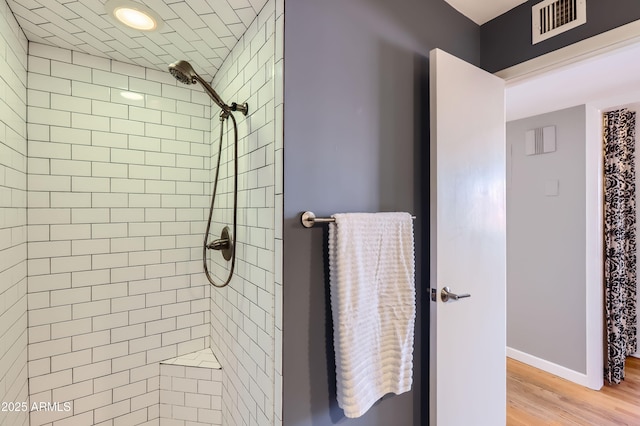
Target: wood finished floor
535	397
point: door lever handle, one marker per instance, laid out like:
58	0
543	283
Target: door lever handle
446	295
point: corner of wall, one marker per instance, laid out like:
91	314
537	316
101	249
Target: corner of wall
13	221
246	315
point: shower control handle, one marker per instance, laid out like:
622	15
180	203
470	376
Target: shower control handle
219	244
224	244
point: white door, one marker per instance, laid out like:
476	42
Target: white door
468	244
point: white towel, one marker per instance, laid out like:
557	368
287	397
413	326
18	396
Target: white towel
372	275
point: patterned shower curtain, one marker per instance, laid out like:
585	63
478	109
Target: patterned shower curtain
619	240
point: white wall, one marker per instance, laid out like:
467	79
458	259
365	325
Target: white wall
118	190
244	319
13	218
546	292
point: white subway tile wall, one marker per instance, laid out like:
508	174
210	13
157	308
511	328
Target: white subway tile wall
243	315
13	221
119	179
190	396
278	86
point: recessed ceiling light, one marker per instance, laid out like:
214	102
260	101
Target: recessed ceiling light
133	15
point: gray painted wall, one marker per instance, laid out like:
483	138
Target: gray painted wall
355	139
546	287
506	40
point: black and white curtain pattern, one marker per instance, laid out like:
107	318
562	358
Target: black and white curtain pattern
619	240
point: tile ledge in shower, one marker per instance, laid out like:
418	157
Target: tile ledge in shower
203	359
191	390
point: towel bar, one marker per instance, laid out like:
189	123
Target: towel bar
309	219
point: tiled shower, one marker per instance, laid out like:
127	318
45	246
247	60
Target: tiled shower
105	179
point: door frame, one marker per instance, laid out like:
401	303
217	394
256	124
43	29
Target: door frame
595	104
624	35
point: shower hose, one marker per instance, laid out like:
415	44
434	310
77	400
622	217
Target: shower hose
223	117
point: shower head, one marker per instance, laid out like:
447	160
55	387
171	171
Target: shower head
184	73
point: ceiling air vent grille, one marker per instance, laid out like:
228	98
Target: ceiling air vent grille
552	17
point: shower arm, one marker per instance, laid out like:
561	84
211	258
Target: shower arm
213	95
243	108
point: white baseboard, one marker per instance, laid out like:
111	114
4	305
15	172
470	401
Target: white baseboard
548	366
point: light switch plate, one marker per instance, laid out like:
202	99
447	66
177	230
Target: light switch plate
552	188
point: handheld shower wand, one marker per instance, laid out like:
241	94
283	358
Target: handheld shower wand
184	73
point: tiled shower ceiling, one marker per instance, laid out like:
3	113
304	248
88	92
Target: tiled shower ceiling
200	31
